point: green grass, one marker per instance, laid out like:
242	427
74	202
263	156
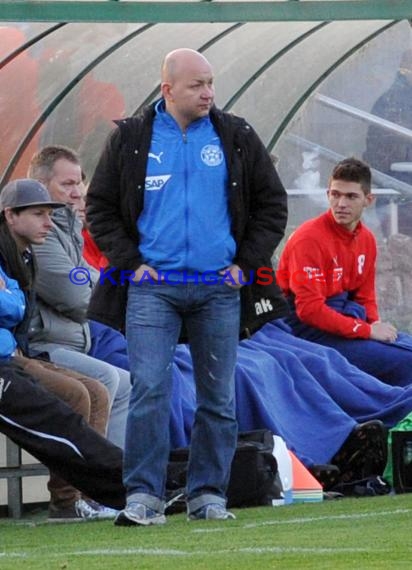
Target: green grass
368	533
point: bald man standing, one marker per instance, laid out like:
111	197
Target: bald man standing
186	205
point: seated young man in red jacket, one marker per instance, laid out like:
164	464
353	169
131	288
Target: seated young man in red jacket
327	271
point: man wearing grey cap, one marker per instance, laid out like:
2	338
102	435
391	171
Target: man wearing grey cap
26	193
25	209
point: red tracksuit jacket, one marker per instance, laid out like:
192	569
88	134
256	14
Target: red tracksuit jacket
322	259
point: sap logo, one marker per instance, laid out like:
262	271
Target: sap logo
156	182
263	306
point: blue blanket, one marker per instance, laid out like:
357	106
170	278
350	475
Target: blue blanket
361	396
308	394
390	362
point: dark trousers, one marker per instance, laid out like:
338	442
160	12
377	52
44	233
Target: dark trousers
86	396
46	427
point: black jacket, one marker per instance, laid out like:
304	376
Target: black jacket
257	203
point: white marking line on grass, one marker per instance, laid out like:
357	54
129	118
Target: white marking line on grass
310	520
183	553
333	517
245	550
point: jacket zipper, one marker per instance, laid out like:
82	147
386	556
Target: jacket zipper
184	137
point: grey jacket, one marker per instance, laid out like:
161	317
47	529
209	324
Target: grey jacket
59	318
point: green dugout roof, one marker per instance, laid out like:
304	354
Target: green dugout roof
64	81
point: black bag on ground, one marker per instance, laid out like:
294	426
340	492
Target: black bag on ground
254	478
371	486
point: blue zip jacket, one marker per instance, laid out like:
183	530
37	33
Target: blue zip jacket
185	198
12	307
257	206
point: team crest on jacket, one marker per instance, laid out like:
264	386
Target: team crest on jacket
212	155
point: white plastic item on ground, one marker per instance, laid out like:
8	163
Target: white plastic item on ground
284	461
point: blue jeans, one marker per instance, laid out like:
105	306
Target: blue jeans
153	321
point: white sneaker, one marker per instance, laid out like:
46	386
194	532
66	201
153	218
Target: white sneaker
211	511
103	513
139	514
85	511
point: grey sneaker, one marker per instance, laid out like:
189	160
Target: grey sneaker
138	514
103	513
80	511
86	511
211	511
